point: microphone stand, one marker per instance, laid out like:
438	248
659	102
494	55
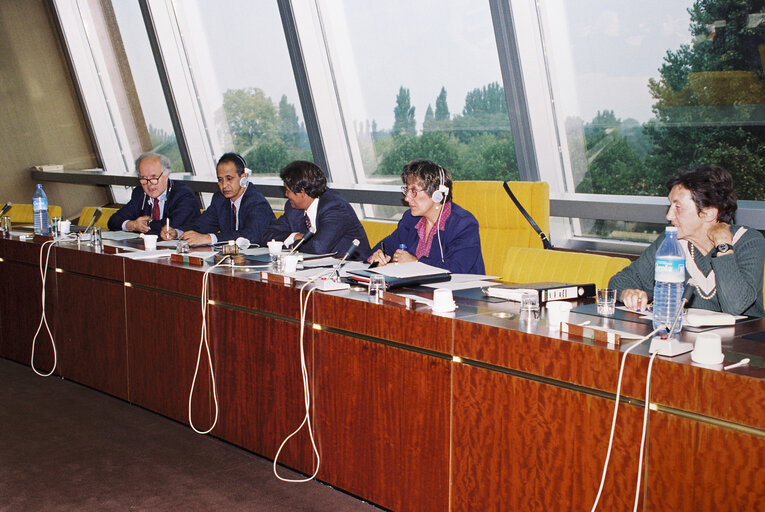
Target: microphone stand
671	346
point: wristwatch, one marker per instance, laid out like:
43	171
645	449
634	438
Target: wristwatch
723	248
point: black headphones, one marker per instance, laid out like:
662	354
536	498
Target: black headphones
442	193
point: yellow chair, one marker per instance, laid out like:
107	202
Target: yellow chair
500	223
528	265
377	230
87	213
23	213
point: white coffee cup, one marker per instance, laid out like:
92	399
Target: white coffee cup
150	242
708	349
557	312
443	301
290	263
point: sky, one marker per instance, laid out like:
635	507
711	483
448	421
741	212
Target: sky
601	52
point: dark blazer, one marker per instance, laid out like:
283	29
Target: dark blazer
181	206
255	215
460	239
336	227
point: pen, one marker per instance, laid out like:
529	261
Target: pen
168	224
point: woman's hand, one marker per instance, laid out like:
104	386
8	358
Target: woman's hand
635	299
380	257
401	256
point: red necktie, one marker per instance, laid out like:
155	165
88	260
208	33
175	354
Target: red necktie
233	216
155	210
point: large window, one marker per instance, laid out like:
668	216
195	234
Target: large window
243	80
644	89
419	80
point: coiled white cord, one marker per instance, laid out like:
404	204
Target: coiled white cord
616	412
43	319
203	342
645	425
306	388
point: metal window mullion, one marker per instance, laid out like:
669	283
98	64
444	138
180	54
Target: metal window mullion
512	77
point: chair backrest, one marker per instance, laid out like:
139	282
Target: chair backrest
24	214
87	213
377	230
527	265
500	223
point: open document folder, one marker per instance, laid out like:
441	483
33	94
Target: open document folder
403	274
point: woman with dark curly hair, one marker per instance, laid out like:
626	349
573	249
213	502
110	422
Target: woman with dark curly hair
434	230
724	260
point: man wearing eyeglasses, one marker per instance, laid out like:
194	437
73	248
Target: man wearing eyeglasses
158	199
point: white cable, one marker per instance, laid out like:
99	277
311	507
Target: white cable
438	232
616	412
43	319
306	388
203	341
645	424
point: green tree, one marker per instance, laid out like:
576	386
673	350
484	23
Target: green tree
428	124
436	146
403	114
485	111
268	157
251	115
488	157
289	125
442	108
704	106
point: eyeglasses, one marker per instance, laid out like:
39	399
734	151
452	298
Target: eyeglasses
153	181
414	191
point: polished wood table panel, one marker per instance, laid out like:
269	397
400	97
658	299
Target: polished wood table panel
259	384
418	327
91	333
162	275
89	262
694	466
163	333
382	418
242	288
519	444
20	309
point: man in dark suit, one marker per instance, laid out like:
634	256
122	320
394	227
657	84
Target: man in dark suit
311	206
237	210
157	199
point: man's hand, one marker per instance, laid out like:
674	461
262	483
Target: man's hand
195	238
402	256
168	233
141	224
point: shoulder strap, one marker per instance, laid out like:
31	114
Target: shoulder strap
545	242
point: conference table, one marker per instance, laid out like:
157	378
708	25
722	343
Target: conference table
478	409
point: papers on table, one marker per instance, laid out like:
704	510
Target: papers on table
464	282
513	294
408	269
117	235
696	317
147	255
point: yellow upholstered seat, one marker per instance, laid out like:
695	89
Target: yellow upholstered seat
87	213
23	213
500	223
527	265
377	230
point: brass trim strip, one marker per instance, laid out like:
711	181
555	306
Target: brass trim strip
738	427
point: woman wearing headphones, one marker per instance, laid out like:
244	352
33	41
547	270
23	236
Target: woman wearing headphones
454	244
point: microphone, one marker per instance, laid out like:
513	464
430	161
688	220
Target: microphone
96	216
348	254
6	208
687	294
305	238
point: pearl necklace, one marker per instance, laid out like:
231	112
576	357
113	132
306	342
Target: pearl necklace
698	290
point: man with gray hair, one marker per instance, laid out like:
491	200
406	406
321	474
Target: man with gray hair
157	199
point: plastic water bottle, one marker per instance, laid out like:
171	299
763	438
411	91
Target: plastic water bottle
40	209
670	282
